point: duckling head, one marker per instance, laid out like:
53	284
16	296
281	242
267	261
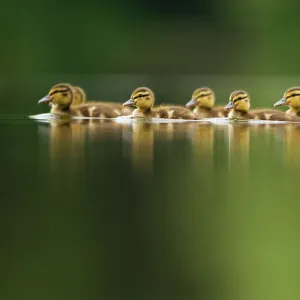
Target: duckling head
202	97
61	94
79	96
291	98
141	97
239	100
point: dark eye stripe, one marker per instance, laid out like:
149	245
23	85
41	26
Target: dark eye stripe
293	95
58	91
204	95
239	98
141	95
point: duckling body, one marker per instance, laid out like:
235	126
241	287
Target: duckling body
261	114
165	112
143	98
214	112
239	106
79	96
124	110
61	97
82	98
291	98
203	100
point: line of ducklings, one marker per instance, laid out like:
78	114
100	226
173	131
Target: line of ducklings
69	101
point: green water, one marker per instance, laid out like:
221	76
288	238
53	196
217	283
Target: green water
100	210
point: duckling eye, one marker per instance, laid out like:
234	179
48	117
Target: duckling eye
65	94
240	98
141	96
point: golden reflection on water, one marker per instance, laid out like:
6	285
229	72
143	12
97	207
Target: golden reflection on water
239	144
67	140
202	138
235	216
142	143
291	141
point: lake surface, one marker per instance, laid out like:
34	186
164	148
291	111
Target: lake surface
99	210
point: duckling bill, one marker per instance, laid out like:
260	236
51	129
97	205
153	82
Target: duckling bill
143	98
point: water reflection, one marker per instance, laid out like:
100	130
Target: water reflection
290	135
67	140
176	210
239	144
202	138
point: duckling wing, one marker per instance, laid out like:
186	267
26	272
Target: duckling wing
219	112
95	111
273	115
173	112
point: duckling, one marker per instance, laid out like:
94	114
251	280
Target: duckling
291	98
239	105
79	96
82	98
61	97
204	99
144	98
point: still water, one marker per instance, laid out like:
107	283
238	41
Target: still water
99	210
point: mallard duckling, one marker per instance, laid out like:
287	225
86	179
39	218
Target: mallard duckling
203	99
239	106
82	98
61	97
79	96
291	98
143	98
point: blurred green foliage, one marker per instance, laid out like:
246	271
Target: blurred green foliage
149	37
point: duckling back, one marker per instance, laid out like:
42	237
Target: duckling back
100	110
173	112
124	110
272	115
219	112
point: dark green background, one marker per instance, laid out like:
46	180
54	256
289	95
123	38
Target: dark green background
144	42
98	211
194	37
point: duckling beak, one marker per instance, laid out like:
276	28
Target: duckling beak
230	105
46	99
191	103
281	102
129	102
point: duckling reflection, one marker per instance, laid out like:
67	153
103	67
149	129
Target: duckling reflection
66	143
290	134
142	146
239	144
171	131
67	139
202	137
